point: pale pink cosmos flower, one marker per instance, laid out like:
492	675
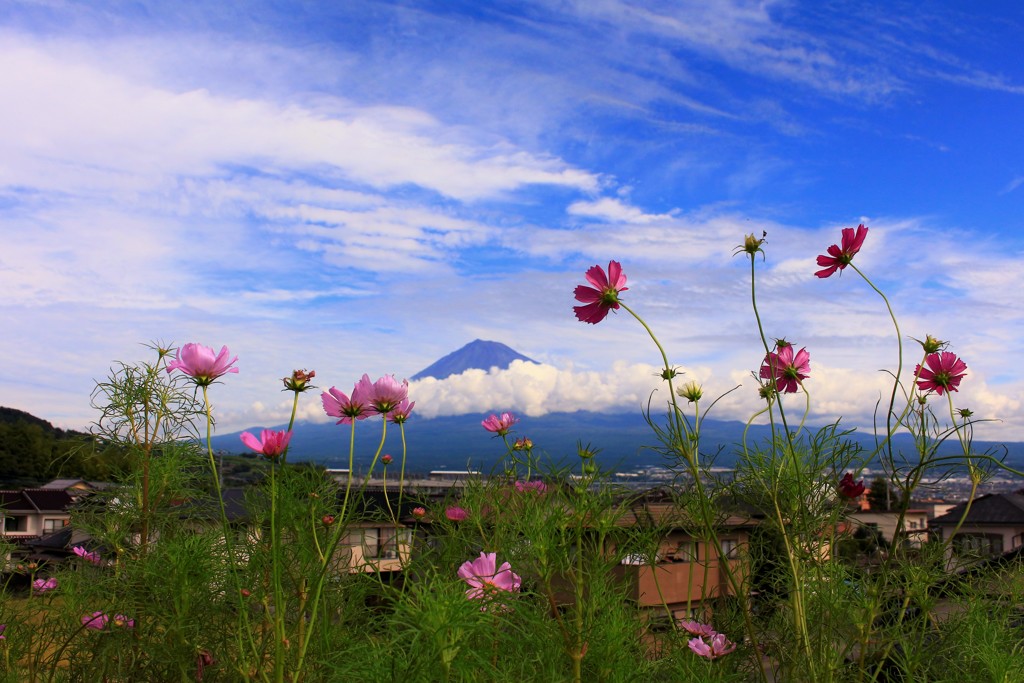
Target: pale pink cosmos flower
603	296
787	369
338	404
718	646
96	621
400	413
387	393
840	256
943	373
44	585
486	579
271	444
500	425
202	364
87	555
695	628
535	486
456	514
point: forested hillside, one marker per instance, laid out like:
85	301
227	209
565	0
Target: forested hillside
33	451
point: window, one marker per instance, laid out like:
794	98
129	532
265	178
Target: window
51	525
382	544
978	544
688	551
730	548
15	524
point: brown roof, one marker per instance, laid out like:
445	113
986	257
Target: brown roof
35	500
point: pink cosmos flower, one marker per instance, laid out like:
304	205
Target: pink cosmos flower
271	444
121	621
718	646
840	257
848	488
337	404
603	296
387	394
535	486
3	627
500	425
695	628
486	579
786	369
96	621
87	555
44	585
400	413
943	373
456	514
202	364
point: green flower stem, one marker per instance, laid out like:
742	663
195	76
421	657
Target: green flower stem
676	424
899	360
228	541
767	350
332	546
401	473
280	608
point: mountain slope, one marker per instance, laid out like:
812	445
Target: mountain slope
478	354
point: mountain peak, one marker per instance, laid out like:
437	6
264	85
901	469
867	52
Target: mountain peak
477	354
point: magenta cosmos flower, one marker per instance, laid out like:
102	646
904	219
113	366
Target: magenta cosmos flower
500	425
848	488
943	373
44	585
535	486
337	404
121	621
486	579
271	444
840	256
456	514
400	413
603	296
785	368
202	364
717	646
96	620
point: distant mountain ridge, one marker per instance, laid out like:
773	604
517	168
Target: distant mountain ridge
476	355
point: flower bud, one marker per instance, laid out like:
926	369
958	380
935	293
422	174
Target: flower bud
522	444
751	244
327	520
931	344
419	513
299	381
386	459
691	391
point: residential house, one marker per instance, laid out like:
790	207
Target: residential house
29	513
994	525
687	573
915	525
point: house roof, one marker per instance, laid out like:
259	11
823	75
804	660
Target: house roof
992	508
35	500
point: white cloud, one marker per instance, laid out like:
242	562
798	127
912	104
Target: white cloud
74	116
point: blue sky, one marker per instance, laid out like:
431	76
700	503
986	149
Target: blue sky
365	187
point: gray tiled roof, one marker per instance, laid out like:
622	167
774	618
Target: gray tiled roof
993	508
